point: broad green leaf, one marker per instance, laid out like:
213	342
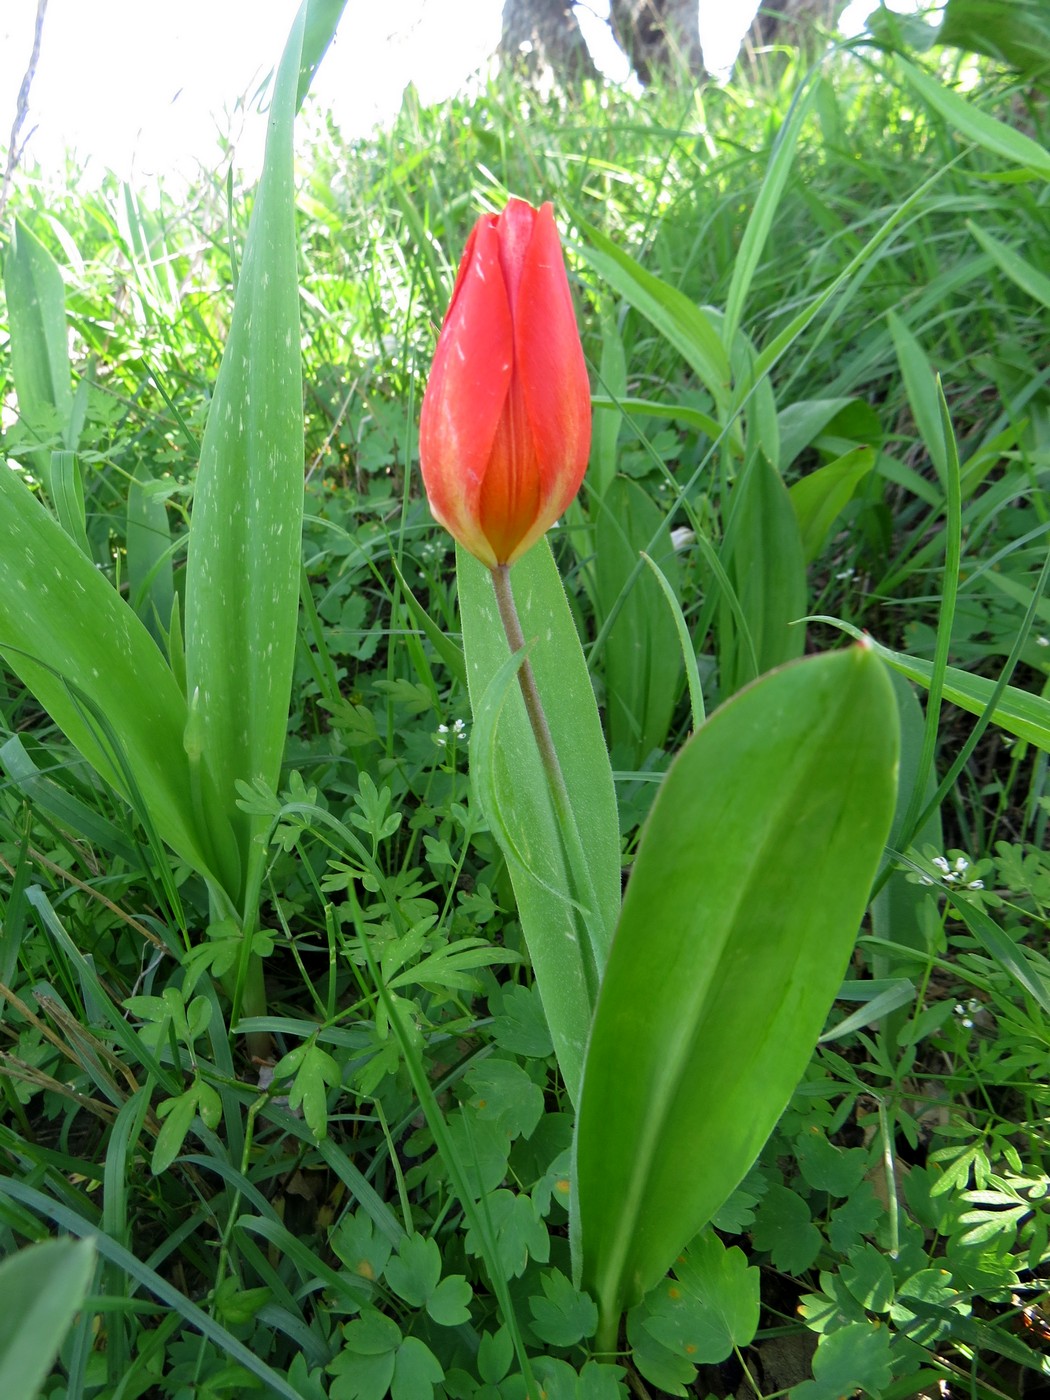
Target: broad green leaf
1016	32
512	774
41	1289
414	1272
784	1226
711	1306
178	1116
763	558
242	568
977	126
1018	711
416	1371
66	632
819	496
681	322
749	886
36	310
855	1357
519	1233
803	421
562	1316
641	654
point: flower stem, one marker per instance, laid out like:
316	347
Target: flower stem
576	860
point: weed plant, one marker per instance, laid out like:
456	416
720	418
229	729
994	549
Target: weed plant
271	1210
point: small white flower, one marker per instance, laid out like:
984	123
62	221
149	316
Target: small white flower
1042	641
845	574
458	730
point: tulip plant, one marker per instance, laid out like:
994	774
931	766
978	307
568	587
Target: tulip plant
683	1015
683	1020
178	713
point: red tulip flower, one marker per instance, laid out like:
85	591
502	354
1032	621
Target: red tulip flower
505	429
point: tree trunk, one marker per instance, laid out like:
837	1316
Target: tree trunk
542	38
794	23
658	36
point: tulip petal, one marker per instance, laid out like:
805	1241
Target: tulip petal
511	498
467	390
551	369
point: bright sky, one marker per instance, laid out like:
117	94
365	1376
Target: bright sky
145	87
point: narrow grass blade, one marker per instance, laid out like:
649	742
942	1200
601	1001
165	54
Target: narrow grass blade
152	1282
1018	269
987	132
1022	964
920	382
67	496
760	224
47	796
681	322
450	654
748	889
692	672
242	575
1016	711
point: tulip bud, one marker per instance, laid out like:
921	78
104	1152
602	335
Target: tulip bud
505	428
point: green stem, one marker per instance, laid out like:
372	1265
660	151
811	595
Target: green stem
579	870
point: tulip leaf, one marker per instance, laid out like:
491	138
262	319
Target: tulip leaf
821	495
749	886
641	654
41	1289
243	563
763	558
75	643
507	767
39	345
151	584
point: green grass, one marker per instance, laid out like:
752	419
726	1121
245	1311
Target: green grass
273	1235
